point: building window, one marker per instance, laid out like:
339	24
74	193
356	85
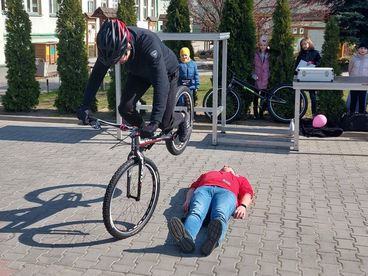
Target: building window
104	3
153	8
138	9
301	31
91	6
115	4
34	6
53	7
295	30
145	9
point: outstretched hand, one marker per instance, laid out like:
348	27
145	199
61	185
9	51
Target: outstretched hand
240	212
186	206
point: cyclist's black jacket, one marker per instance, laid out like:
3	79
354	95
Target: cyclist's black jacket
149	60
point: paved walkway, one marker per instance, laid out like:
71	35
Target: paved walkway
309	217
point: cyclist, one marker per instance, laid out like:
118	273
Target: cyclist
148	62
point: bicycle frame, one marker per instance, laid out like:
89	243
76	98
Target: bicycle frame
138	145
247	87
255	91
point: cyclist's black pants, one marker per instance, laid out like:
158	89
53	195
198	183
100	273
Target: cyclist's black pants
135	89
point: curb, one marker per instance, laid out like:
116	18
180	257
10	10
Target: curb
64	120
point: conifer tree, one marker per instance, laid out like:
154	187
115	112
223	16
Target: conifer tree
126	13
352	19
237	18
178	21
281	59
331	103
23	90
72	60
282	54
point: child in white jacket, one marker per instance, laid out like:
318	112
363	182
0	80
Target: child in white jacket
358	67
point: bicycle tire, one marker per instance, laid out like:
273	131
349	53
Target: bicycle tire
125	216
281	103
183	98
233	105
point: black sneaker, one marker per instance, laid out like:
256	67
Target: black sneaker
213	236
184	128
180	234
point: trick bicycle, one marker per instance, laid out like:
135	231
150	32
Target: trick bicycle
132	194
279	100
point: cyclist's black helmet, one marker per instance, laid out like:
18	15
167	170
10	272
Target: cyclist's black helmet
112	41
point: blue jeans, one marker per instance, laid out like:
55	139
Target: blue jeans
222	203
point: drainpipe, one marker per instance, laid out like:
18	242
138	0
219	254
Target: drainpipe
157	15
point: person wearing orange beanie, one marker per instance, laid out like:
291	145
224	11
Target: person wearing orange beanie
188	72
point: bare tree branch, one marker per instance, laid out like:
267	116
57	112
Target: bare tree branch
207	13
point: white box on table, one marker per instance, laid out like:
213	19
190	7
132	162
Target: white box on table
322	74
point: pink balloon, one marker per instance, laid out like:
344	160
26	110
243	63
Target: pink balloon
319	121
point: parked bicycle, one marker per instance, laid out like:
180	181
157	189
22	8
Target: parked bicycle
279	101
132	194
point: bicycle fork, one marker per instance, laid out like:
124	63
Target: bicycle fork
130	181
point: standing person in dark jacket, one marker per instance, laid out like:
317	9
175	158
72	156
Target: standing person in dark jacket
312	57
149	62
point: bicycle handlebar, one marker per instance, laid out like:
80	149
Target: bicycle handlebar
134	131
96	124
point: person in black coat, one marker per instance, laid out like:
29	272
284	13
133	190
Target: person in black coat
311	57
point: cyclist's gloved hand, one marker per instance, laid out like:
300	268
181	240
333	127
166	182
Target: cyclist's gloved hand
83	114
148	130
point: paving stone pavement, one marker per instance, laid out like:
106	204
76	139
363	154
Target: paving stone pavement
309	216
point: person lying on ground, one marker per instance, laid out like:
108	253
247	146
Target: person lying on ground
222	194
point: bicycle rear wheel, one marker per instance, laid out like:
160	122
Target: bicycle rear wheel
282	101
126	210
184	102
233	105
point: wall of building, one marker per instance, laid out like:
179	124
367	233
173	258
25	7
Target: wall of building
44	25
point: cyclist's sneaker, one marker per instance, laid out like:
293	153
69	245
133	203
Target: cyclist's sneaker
213	236
180	234
184	128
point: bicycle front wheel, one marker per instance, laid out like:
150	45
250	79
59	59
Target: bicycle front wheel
184	102
129	203
233	105
281	103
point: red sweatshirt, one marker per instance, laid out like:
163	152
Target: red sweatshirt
237	184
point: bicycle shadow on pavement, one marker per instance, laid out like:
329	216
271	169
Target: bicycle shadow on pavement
53	200
47	134
169	246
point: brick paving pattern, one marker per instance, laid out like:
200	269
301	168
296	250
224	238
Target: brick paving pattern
309	216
